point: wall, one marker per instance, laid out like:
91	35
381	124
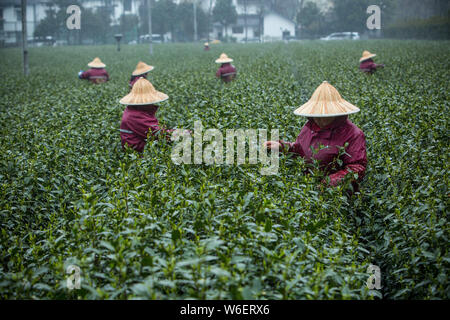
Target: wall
274	25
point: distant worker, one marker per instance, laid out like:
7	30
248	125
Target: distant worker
328	129
139	118
97	73
141	71
367	65
206	48
227	72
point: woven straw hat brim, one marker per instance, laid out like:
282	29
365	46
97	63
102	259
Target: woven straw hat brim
224	60
96	65
143	71
324	109
309	115
326	102
367	57
142	100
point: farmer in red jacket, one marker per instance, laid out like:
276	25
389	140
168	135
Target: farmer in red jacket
367	65
97	73
328	126
141	71
139	118
206	46
227	72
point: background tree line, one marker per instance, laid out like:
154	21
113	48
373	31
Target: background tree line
314	18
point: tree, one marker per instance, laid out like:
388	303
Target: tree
184	18
128	23
48	26
309	18
164	17
351	15
225	13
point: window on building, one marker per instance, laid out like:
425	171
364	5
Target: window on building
238	29
126	5
18	11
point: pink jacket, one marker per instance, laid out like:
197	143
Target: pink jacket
137	122
333	136
369	66
226	72
95	75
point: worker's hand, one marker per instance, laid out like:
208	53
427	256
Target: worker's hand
272	145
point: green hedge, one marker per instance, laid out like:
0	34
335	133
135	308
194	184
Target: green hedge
147	228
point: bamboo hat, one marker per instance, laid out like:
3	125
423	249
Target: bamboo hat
143	93
326	102
224	59
206	44
366	55
96	63
142	68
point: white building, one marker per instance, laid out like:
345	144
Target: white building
261	24
11	19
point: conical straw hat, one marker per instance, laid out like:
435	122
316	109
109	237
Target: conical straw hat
143	93
142	68
206	44
96	63
366	55
224	59
326	102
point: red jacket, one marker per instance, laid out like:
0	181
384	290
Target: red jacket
226	72
369	66
137	122
95	75
136	78
336	134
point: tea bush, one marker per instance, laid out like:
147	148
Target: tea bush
143	227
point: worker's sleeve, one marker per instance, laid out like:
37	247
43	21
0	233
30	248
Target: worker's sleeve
354	161
293	147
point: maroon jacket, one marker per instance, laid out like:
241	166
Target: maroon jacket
369	66
137	121
136	78
226	72
336	134
95	75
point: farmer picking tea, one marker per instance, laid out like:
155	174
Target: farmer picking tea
226	72
139	117
141	71
367	64
97	73
327	129
206	47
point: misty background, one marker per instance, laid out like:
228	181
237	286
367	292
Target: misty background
224	20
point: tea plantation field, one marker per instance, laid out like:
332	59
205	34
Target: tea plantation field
143	227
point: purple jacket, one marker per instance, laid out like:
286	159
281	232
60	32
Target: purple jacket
334	135
369	66
137	122
95	75
226	72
